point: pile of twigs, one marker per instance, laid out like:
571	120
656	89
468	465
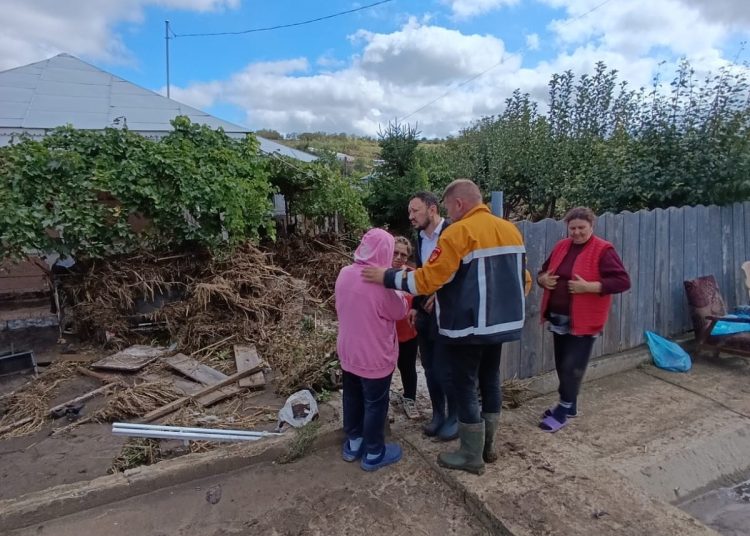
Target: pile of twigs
31	403
242	295
136	401
317	261
240	298
515	393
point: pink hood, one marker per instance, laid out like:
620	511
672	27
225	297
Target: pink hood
375	249
367	313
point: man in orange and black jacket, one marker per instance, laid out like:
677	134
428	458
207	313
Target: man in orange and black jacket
478	270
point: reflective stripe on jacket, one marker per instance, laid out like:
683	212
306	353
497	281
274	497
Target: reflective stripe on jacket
478	271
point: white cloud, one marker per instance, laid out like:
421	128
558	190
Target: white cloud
391	74
532	41
734	13
427	55
394	74
637	27
464	9
37	29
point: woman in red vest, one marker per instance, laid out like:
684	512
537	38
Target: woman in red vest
579	278
407	339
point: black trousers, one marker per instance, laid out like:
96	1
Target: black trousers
407	366
475	371
572	354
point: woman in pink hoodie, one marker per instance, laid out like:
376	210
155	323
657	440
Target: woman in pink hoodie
368	350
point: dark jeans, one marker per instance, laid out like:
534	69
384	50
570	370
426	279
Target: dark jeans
475	367
437	372
572	354
366	410
407	366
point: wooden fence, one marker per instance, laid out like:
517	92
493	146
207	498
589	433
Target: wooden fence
660	249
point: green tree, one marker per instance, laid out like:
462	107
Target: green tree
397	178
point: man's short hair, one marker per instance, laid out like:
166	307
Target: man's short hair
464	188
428	198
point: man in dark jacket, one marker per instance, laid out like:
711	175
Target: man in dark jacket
424	216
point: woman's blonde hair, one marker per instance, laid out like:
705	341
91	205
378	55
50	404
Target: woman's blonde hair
405	241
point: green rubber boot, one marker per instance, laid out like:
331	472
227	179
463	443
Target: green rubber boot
469	455
491	421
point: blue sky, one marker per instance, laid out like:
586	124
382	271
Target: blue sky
356	72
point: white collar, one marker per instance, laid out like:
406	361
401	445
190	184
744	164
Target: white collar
435	233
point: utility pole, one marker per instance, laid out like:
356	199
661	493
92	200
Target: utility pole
166	40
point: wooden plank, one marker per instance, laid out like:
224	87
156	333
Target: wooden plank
511	355
728	270
661	282
600	229
191	388
629	329
677	303
82	398
14	425
106	378
713	239
703	241
646	277
247	357
177	404
738	246
532	361
217	396
611	341
691	259
131	359
510	358
195	370
554	231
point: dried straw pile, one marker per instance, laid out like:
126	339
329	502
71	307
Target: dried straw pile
317	261
242	295
515	393
32	401
132	402
242	298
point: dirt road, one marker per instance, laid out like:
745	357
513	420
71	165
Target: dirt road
317	495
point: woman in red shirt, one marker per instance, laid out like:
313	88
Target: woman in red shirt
578	278
407	339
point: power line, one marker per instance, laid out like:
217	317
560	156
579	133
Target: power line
502	60
291	25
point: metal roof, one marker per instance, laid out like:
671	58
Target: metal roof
65	90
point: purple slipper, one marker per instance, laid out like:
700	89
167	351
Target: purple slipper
548	413
552	424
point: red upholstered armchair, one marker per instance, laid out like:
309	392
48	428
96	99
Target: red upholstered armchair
706	308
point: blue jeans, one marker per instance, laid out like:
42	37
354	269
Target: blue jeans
366	409
476	366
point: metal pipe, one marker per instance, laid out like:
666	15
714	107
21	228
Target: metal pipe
177	435
167	428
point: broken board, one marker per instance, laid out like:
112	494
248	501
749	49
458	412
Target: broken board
203	374
131	359
246	357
